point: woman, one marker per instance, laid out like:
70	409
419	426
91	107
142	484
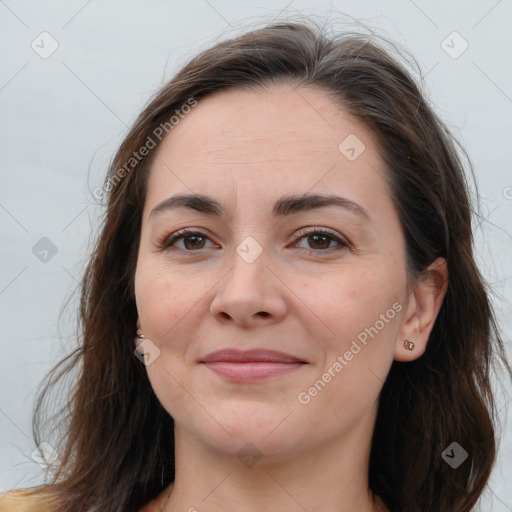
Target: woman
288	234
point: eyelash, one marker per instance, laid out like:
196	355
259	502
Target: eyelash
166	243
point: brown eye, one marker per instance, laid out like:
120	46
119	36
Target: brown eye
321	240
192	240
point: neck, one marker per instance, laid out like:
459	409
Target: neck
332	477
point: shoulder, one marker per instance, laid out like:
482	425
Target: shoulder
8	500
26	500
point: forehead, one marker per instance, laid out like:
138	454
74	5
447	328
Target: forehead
253	119
266	141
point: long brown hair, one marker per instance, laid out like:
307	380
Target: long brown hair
117	448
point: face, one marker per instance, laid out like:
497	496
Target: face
322	283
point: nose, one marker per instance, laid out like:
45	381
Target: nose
251	293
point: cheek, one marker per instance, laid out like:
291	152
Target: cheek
165	305
164	298
170	306
361	310
352	301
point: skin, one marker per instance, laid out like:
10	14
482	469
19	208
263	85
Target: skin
306	297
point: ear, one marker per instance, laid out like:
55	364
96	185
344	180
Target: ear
421	311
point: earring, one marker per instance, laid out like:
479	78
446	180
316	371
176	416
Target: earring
139	338
409	345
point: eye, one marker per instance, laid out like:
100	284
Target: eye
192	240
320	240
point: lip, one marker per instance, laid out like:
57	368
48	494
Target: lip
255	355
255	364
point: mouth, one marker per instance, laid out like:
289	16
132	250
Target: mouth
256	364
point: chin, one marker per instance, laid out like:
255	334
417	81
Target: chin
249	429
254	445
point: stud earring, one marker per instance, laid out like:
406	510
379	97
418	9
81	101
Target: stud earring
409	345
139	338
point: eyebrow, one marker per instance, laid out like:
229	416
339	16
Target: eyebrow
286	205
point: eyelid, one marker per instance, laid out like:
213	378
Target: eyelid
342	241
318	229
165	243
